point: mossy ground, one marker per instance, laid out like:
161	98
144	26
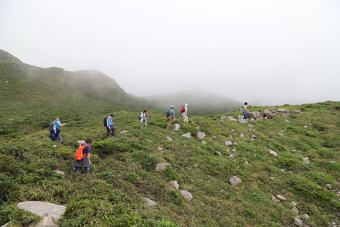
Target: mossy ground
122	170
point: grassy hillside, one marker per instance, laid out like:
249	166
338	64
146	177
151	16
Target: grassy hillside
123	170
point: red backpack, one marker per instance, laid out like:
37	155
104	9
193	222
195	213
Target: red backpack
182	109
79	153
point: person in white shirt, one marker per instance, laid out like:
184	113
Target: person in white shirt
184	112
143	119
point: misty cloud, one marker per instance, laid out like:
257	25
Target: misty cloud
267	52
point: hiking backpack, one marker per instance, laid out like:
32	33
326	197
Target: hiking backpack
105	122
168	113
79	153
182	110
53	128
140	116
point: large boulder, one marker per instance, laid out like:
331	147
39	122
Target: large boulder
162	166
267	114
50	212
234	180
254	115
176	127
200	135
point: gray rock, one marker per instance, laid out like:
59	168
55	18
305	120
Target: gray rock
168	138
81	141
287	121
218	153
298	222
293	203
149	202
329	186
50	212
59	172
241	135
200	135
280	197
204	142
231	156
123	131
174	184
234	180
177	127
223	117
295	210
274	199
282	111
228	143
160	149
267	114
162	166
187	135
254	115
186	195
253	137
250	125
306	160
272	152
305	216
246	162
54	145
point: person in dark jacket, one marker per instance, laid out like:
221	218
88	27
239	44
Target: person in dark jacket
83	165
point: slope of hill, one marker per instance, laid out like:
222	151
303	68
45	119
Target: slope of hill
201	102
123	171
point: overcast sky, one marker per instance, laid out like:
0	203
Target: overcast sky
268	52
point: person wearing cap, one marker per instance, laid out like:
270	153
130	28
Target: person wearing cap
170	116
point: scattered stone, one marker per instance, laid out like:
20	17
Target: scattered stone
196	166
228	143
282	111
298	222
295	210
81	141
213	137
253	137
123	131
162	166
218	153
272	178
338	193
287	121
280	197
246	162
293	203
242	121
50	212
174	184
234	180
54	145
305	216
231	156
251	126
332	161
204	142
168	138
274	199
329	186
241	135
280	134
272	152
187	195
160	149
282	170
293	150
231	118
306	160
223	117
176	127
149	202
200	135
6	81
233	150
59	172
305	126
233	130
267	114
187	135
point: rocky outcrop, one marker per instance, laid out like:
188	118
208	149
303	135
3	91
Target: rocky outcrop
234	180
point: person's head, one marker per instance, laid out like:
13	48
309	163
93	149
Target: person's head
88	141
144	111
111	115
171	107
186	104
245	103
57	118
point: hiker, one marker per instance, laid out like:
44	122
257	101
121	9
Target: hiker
184	112
55	130
244	110
82	157
170	116
110	130
142	118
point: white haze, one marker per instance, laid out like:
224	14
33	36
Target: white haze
263	51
